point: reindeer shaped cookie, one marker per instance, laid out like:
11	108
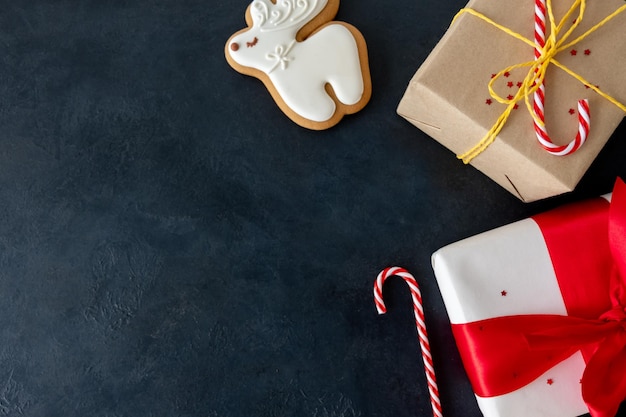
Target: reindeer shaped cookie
316	69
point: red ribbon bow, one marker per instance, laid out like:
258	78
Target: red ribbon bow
593	285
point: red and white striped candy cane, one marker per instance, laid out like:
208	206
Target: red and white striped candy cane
539	97
419	321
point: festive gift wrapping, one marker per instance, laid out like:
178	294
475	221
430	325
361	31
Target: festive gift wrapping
449	98
537	310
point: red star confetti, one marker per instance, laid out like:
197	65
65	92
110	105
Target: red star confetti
573	52
507	74
510	84
510	97
587	51
519	84
488	102
516	106
550	381
571	111
493	75
503	293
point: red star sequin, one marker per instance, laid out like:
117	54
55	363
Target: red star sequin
587	51
493	75
571	111
516	106
507	74
550	381
510	84
519	84
573	52
488	102
503	293
510	97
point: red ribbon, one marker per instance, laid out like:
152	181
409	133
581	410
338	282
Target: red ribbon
587	246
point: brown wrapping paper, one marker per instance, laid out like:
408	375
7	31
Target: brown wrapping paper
448	97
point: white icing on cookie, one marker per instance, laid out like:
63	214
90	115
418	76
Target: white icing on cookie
299	71
285	13
280	55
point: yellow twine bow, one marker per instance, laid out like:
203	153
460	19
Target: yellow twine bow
537	68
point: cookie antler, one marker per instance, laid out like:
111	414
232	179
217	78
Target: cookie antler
269	16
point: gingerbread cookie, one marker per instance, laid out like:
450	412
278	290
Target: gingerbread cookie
316	69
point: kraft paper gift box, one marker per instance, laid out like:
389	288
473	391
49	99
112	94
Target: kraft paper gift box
508	289
448	97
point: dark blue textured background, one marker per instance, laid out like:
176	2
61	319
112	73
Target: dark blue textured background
172	245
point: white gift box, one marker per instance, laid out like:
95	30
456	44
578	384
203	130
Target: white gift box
505	272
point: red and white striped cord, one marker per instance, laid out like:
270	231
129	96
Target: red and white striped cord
419	321
584	119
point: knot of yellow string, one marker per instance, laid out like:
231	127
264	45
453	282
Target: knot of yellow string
556	42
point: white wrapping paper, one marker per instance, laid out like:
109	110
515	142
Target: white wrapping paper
502	272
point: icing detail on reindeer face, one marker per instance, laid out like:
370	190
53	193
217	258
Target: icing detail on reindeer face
253	43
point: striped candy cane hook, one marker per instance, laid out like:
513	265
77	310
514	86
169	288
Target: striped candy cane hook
584	120
419	321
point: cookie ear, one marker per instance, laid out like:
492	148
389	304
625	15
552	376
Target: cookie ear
259	13
284	14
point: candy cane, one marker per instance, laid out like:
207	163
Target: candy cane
539	97
419	321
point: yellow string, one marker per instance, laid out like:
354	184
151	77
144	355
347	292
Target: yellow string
537	68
